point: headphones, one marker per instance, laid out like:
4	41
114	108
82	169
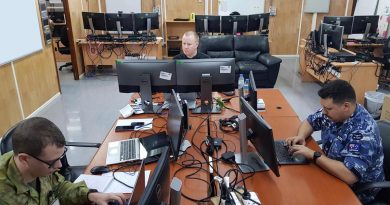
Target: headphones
231	122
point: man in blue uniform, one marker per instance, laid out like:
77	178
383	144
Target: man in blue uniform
352	145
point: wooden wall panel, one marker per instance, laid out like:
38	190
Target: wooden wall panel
9	103
284	27
37	79
183	8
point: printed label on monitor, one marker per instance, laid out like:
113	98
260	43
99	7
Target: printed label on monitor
225	69
165	75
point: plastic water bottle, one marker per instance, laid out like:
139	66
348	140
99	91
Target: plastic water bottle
246	87
241	81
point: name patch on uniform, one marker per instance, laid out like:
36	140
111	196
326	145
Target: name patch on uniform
352	147
357	136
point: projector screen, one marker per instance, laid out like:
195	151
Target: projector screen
20	27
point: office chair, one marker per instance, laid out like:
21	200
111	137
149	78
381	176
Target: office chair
64	50
385	61
69	172
383	196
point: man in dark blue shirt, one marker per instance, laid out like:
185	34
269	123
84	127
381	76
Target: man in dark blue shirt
352	145
189	46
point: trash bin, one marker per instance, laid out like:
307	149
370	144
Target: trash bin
373	102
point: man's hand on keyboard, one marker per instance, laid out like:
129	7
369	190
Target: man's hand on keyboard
296	140
301	150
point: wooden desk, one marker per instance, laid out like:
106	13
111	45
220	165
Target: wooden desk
106	53
298	184
362	76
361	47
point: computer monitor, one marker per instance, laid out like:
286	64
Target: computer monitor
206	23
175	126
146	22
157	189
252	96
331	36
234	24
94	21
205	76
138	186
146	77
365	24
254	128
345	21
258	22
119	22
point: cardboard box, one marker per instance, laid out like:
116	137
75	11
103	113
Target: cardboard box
385	114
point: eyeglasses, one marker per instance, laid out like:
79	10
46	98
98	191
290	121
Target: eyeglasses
51	163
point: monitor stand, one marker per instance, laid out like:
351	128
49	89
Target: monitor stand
368	27
206	103
234	27
91	25
245	158
119	28
146	95
326	45
205	26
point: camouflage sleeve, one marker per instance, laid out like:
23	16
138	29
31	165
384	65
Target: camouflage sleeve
70	193
315	120
358	153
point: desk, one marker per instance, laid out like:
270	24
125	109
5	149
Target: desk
361	47
362	76
298	184
106	53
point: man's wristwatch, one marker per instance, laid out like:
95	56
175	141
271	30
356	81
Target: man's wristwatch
316	155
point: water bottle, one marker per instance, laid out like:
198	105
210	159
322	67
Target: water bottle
246	87
241	81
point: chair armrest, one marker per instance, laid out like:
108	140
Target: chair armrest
268	60
83	144
368	186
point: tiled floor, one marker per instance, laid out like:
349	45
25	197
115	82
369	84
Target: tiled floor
87	108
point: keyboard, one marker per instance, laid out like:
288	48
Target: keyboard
99	37
342	57
284	156
128	149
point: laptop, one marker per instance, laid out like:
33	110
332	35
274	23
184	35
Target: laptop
284	157
150	147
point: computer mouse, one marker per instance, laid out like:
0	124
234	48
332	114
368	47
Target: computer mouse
99	170
113	202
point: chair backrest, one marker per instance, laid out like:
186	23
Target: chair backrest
64	37
249	47
217	46
6	140
384	128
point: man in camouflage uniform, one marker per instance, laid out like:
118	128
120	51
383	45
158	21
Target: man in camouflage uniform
352	145
28	174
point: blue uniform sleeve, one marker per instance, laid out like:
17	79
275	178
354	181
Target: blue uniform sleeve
315	120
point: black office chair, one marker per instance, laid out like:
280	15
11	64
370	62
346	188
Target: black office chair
383	196
385	61
64	50
69	172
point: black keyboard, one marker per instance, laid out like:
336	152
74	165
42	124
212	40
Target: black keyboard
99	37
128	149
284	156
342	57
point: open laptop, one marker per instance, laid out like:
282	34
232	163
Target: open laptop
150	147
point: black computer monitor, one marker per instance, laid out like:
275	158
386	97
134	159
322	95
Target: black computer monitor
119	22
331	36
257	130
205	76
252	96
146	77
365	24
157	189
94	21
175	126
206	23
345	21
258	22
146	22
234	24
139	186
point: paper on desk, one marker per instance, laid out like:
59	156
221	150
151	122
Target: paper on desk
106	183
148	122
126	177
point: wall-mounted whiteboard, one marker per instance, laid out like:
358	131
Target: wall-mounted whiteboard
245	7
127	6
20	35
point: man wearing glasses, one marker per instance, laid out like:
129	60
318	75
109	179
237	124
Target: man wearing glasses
29	174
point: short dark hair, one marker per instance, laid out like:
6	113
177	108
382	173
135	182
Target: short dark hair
234	13
32	135
339	90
